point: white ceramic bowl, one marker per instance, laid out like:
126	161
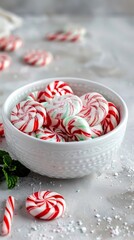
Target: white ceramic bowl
70	159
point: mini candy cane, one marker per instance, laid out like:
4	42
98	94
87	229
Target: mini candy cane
56	88
45	205
49	134
5	61
77	128
95	108
1	130
96	131
64	106
38	58
112	119
28	116
71	35
10	43
8	216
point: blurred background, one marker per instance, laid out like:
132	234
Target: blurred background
72	7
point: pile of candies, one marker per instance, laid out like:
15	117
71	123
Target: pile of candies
55	114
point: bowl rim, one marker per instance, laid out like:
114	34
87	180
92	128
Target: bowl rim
95	140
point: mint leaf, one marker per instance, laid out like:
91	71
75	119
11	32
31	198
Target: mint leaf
11	180
7	160
2	154
1	174
11	170
21	171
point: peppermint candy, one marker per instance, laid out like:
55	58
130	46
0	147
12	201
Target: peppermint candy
50	135
95	108
28	116
5	61
112	119
56	88
77	128
64	106
10	43
45	205
96	131
38	96
71	35
1	130
38	58
8	216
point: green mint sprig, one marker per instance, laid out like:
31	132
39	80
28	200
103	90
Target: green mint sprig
11	170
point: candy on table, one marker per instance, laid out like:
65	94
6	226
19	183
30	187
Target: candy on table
112	119
57	88
45	205
5	61
1	130
96	131
70	34
49	134
28	116
77	128
64	106
8	216
10	43
95	108
38	58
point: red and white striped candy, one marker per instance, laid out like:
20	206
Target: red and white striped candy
28	116
50	134
8	216
38	58
38	96
1	130
5	61
10	43
57	88
45	205
95	108
96	131
77	128
64	106
70	35
112	119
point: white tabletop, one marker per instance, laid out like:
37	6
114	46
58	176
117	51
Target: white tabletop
98	207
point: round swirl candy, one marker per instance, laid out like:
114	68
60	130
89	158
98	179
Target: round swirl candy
38	96
45	205
57	88
70	34
10	43
112	119
28	116
95	108
64	106
38	58
5	61
49	134
96	131
77	128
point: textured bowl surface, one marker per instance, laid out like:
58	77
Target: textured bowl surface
71	159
